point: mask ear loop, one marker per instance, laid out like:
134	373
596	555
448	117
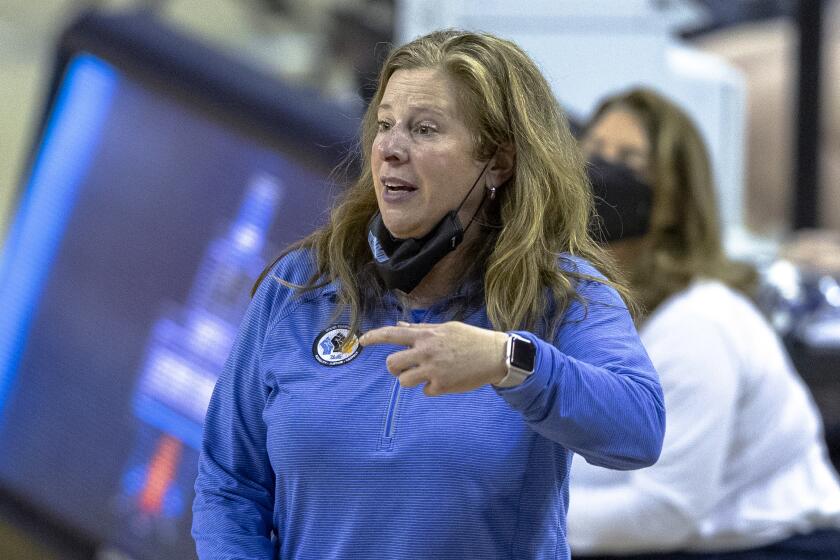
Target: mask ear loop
492	191
483	198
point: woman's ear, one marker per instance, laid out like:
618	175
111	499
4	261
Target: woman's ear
501	165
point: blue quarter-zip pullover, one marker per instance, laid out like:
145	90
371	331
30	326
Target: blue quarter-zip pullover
307	457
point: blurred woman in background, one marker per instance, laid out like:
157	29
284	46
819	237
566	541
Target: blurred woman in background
744	471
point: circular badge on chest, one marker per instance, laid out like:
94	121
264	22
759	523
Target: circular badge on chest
335	346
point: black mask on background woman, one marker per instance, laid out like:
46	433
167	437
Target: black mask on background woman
623	201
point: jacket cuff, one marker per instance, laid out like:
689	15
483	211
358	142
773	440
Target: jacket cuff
521	396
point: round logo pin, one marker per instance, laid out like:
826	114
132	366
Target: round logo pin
335	346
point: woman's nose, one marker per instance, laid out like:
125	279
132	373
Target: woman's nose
393	146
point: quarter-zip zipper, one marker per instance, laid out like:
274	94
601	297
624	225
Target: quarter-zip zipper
390	420
390	426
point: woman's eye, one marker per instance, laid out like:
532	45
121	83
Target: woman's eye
591	147
634	160
424	129
383	125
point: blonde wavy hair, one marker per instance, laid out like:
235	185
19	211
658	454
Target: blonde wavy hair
542	211
684	240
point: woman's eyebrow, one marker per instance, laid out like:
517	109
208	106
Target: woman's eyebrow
422	107
634	152
417	107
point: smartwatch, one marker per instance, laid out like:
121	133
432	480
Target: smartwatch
520	357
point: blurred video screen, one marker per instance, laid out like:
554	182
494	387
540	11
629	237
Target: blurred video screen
140	231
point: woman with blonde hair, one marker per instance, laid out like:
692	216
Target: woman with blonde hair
459	262
744	472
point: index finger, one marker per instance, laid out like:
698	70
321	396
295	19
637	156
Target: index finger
417	325
403	336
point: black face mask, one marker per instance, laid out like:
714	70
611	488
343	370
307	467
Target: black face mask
623	201
403	263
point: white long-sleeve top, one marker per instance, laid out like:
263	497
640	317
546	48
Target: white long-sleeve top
744	460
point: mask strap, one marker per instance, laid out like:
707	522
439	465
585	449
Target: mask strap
472	188
483	198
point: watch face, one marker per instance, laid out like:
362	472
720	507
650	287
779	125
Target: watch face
523	354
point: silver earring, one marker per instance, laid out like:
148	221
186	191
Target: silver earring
492	193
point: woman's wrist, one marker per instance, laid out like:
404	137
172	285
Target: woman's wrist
500	371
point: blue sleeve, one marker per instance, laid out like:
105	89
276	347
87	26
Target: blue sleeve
594	390
234	502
